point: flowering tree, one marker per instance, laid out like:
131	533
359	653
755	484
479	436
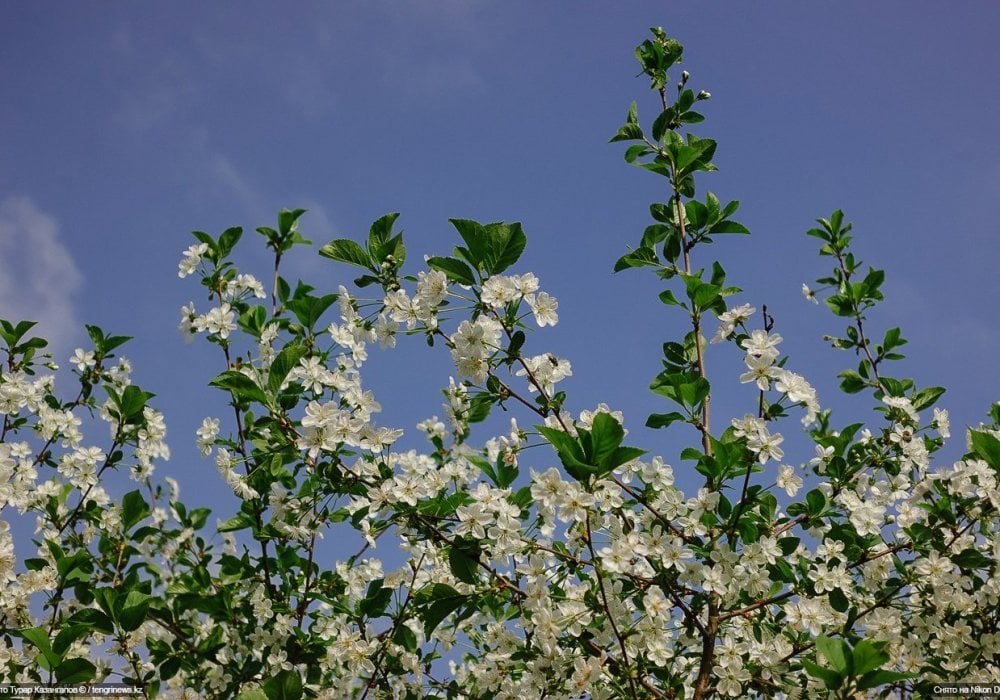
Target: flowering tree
576	569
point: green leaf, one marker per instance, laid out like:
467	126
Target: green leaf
986	446
874	679
252	694
662	123
521	498
76	567
662	212
507	242
282	364
570	452
252	320
686	388
12	334
639	257
479	407
662	420
443	506
696	213
133	401
197	518
287	219
454	269
240	386
75	670
729	227
620	456
97	335
851	382
788	545
436	601
925	398
463	560
816	502
606	434
705	295
838	601
748	531
114	341
837	653
627	132
668	298
93	619
485	467
286	685
365	281
831	679
134	509
107	598
308	309
376	599
30	345
971	559
133	610
228	240
474	235
840	304
655	233
684	100
636	151
491	248
868	656
39	638
346	250
893	339
516	343
404	637
380	238
872	281
240	521
781	571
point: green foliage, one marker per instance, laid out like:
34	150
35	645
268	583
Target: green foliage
594	452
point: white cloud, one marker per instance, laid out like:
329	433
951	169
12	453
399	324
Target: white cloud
154	104
38	278
233	185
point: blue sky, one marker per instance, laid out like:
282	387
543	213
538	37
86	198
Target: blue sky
124	126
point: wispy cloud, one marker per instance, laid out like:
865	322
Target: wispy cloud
231	183
38	277
153	105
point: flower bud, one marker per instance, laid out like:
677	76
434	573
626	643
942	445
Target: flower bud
704	95
684	77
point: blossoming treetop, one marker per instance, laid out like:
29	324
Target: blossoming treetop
579	566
